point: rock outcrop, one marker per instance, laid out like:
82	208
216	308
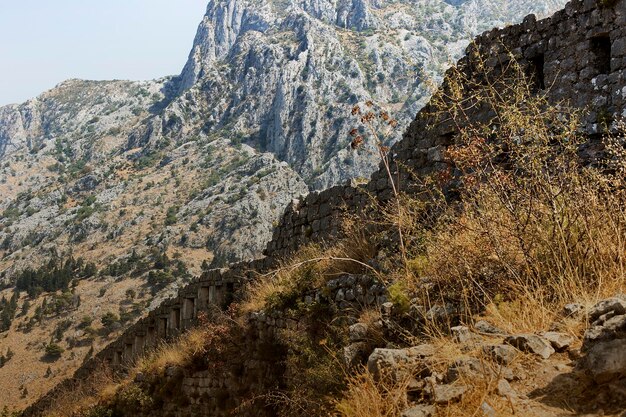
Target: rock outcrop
605	340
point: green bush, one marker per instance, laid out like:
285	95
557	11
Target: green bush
109	319
398	295
54	351
131	400
85	322
170	216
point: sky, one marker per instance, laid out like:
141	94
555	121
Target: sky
43	42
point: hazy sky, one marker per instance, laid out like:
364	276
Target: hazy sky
43	42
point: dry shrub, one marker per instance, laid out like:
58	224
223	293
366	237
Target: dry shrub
313	374
538	222
179	353
208	346
479	394
310	268
366	397
74	396
373	319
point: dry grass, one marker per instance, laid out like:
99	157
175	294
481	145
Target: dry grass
365	397
68	402
372	318
311	267
530	315
537	226
179	353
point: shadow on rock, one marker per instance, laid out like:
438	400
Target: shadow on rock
577	392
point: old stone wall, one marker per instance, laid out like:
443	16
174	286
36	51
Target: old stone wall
210	394
577	56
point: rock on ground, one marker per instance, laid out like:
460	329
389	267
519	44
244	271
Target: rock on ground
531	343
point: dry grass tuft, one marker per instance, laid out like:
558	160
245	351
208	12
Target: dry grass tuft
365	397
180	353
80	395
372	318
311	267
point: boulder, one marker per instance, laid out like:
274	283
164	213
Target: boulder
461	334
483	326
613	328
387	309
531	343
445	394
613	306
442	314
358	332
400	363
416	385
504	389
559	341
487	410
355	354
606	360
573	310
468	367
503	354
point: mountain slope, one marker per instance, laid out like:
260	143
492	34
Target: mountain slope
199	166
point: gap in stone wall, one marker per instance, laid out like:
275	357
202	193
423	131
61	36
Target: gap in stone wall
601	50
538	71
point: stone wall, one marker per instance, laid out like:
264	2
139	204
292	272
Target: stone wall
578	55
210	394
216	394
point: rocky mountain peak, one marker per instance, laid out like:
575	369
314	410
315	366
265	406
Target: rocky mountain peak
226	20
223	22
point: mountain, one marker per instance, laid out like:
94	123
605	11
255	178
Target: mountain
164	175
